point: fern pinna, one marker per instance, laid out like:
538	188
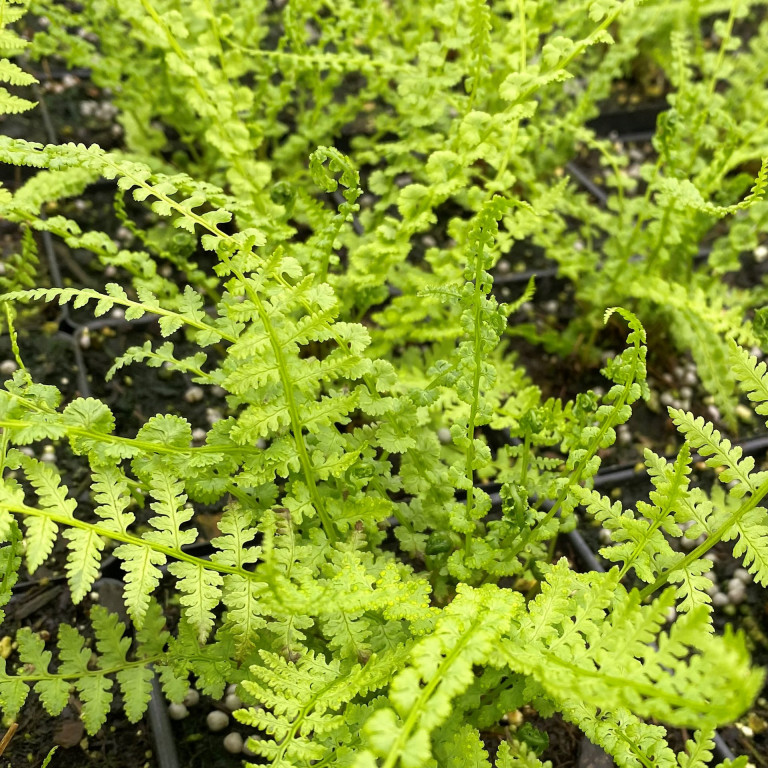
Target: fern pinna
348	653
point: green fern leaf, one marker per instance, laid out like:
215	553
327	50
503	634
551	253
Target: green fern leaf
83	560
142	576
201	594
54	690
521	756
110	491
171	513
135	680
92	686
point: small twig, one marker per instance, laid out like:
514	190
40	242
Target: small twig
6	740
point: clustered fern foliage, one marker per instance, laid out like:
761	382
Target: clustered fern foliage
359	590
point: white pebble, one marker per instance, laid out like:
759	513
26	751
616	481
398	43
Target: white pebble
85	339
218	391
688	543
231	688
671	615
737	595
192	698
760	252
604	536
233	743
444	435
198	434
7	367
503	266
217	720
690	379
110	270
212	415
194	394
623	435
743	413
719	600
48	454
233	702
177	711
743	575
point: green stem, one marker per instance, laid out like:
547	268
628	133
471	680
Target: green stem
524	459
92	672
478	361
141	445
126	538
293	411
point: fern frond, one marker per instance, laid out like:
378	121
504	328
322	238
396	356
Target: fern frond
466	633
301	704
682	682
703	437
75	669
190	310
12	44
751	376
163	356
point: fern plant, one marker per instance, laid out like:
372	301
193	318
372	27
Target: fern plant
445	105
361	591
